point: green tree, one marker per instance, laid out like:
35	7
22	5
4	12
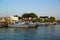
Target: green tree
46	18
58	21
16	16
25	15
52	19
33	15
19	18
7	20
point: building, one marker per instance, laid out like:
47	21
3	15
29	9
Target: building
2	19
14	19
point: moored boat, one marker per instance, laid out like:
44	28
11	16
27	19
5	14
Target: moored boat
3	24
23	24
31	24
42	24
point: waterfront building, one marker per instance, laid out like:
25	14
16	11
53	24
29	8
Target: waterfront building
14	19
2	19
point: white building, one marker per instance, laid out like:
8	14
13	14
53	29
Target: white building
2	19
14	19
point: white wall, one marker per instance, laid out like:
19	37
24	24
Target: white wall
14	19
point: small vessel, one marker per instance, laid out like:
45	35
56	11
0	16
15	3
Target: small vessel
23	24
31	24
52	23
42	24
20	24
3	24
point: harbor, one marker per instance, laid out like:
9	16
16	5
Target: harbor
29	19
26	24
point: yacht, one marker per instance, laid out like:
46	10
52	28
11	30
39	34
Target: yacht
3	24
23	24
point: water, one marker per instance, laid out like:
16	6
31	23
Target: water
40	33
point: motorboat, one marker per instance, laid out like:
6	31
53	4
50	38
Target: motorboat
3	24
23	24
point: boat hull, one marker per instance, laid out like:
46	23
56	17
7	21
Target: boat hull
18	25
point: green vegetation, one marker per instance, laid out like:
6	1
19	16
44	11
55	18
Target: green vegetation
58	21
40	19
7	20
52	19
16	16
27	15
44	18
34	18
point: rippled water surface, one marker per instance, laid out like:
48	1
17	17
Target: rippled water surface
39	33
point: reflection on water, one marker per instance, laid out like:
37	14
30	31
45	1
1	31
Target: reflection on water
49	33
18	33
40	33
30	34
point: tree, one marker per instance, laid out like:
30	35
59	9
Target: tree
19	18
44	18
58	21
25	15
52	19
33	15
7	20
16	16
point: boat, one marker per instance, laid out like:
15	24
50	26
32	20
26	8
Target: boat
3	24
22	24
31	24
42	24
52	23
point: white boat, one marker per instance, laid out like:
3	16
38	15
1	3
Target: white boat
3	24
31	24
53	23
17	25
41	24
22	24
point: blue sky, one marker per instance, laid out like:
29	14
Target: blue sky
40	7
